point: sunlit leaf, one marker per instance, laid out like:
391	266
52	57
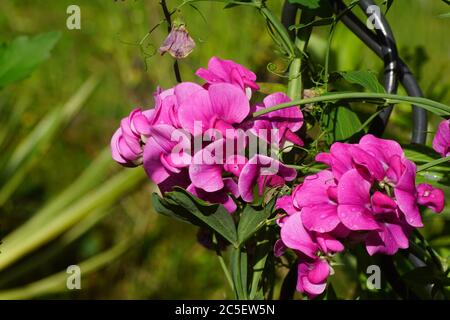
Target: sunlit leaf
364	78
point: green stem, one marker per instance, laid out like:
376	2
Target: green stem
281	31
223	264
433	163
225	271
295	85
430	105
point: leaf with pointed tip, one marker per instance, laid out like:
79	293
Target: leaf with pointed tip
364	78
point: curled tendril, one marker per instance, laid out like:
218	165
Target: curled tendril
272	68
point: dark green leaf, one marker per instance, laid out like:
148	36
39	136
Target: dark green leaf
320	8
184	206
366	79
252	219
341	122
164	207
20	57
311	4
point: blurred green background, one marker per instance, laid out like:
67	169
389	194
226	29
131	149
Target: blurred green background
62	214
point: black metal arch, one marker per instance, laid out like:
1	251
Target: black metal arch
382	43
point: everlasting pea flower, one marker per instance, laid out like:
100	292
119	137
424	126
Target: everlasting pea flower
441	141
126	143
221	196
313	271
230	72
312	276
378	214
431	197
262	171
166	107
317	198
378	160
178	43
219	107
285	121
210	163
161	159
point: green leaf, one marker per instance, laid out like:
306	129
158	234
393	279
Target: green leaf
365	79
262	251
320	8
184	206
311	4
19	58
252	220
342	122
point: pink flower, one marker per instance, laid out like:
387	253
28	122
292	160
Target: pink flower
285	121
317	199
382	161
229	71
221	196
312	276
126	143
166	107
219	107
160	160
441	141
378	214
313	270
262	171
430	197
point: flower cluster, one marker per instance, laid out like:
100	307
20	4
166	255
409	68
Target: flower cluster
196	136
367	195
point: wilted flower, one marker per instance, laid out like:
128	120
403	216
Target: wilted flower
178	43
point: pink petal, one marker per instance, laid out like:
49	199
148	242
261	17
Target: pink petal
430	197
320	272
381	149
382	203
207	177
195	112
115	147
354	200
363	158
441	141
296	237
228	102
406	195
311	289
387	240
313	191
328	244
258	166
320	218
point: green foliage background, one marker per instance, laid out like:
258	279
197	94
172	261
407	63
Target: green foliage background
157	257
